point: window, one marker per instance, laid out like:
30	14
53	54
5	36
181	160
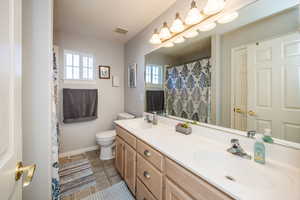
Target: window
154	75
78	66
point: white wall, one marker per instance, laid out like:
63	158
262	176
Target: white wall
111	99
37	60
268	28
139	46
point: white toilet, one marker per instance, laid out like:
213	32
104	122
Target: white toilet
106	139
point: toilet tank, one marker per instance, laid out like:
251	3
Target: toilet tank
125	116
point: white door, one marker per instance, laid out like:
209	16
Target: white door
274	87
239	88
10	98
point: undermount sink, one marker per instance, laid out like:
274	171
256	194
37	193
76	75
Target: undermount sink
245	173
140	124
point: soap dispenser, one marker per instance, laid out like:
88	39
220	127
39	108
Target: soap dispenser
259	150
267	136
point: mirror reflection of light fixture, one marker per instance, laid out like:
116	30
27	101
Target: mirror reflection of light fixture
179	39
194	16
229	17
213	7
191	34
207	26
165	32
169	44
155	38
177	25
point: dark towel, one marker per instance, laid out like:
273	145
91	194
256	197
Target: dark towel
80	105
155	101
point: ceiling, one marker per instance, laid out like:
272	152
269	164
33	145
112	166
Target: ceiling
99	18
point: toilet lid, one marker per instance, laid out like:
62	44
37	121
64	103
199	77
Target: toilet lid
106	134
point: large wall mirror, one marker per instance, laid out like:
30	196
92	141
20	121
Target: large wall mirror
247	78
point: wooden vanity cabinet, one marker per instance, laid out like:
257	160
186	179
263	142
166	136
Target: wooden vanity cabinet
130	167
125	158
150	175
119	156
173	192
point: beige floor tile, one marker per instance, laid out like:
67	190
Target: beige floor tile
77	157
82	194
100	174
110	172
97	163
102	184
114	179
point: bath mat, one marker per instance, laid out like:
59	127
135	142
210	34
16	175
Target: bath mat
118	191
76	176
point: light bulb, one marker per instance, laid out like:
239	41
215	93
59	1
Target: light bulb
194	16
191	34
155	38
229	17
213	6
207	26
165	32
169	44
177	25
179	39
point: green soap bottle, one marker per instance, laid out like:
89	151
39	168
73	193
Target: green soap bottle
259	150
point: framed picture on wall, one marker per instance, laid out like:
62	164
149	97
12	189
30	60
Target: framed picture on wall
104	72
132	75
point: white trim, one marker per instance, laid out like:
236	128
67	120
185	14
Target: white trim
78	151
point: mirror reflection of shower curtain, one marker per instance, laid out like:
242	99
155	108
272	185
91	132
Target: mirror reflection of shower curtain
188	90
54	126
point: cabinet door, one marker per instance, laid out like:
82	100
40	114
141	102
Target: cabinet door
175	193
119	161
130	167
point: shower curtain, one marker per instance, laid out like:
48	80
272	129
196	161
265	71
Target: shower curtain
54	126
188	90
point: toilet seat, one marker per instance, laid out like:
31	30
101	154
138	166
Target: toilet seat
106	135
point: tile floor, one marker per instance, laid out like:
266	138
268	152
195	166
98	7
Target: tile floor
105	172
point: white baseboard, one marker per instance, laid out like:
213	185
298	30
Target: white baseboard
78	151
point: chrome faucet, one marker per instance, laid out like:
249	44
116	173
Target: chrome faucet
151	118
251	134
237	150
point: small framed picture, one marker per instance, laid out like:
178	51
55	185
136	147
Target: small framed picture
104	72
132	75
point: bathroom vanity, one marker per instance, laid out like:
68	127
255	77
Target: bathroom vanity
158	163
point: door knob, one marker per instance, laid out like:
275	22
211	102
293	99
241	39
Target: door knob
251	113
147	175
238	110
29	170
147	153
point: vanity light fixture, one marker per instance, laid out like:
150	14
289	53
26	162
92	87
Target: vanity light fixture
169	44
213	6
194	16
191	34
207	26
177	25
155	38
179	39
229	17
165	32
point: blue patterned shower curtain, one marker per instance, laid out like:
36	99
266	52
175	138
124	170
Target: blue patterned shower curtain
188	90
54	129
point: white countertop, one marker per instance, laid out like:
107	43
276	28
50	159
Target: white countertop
207	157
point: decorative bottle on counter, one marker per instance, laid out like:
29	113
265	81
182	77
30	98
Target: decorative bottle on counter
259	150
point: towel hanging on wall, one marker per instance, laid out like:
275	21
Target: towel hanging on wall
80	105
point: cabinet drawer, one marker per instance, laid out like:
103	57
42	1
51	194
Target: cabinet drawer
195	186
142	193
150	176
151	155
127	137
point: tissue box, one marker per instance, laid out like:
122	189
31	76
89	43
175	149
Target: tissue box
183	130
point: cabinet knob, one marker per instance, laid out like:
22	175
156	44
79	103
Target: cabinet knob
146	175
147	153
